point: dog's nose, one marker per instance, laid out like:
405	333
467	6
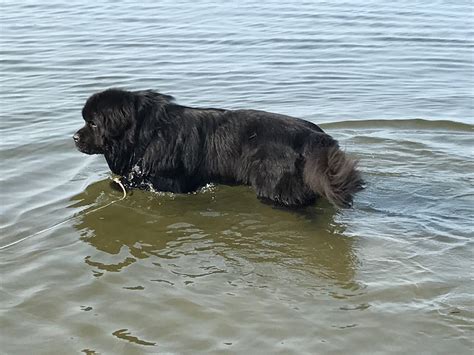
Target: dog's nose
76	137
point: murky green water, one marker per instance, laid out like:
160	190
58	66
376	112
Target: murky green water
218	271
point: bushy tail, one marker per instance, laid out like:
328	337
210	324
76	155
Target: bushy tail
332	174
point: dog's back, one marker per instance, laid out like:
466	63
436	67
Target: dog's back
287	160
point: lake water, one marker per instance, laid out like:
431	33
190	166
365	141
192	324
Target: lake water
218	272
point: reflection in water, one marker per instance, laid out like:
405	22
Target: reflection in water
124	334
218	230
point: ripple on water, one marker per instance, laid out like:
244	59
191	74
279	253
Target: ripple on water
217	271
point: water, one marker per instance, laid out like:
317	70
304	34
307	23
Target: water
219	272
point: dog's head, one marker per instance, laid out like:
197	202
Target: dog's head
116	120
109	117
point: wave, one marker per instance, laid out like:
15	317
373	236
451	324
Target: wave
417	123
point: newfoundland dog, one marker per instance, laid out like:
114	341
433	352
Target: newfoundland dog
154	143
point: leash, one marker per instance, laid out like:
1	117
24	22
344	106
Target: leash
114	179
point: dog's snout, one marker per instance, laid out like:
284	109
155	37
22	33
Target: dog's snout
76	137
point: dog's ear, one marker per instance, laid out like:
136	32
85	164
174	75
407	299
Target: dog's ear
118	119
117	111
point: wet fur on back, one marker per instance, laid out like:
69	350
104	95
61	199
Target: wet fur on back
152	142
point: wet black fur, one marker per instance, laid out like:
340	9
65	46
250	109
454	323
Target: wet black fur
153	142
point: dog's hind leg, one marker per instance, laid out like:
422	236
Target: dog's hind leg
276	175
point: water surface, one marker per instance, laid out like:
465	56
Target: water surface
217	271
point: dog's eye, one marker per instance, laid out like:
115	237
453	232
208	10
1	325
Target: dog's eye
92	124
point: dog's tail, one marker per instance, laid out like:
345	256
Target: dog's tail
332	174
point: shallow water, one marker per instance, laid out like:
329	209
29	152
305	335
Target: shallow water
217	271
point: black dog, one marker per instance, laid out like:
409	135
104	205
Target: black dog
153	142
